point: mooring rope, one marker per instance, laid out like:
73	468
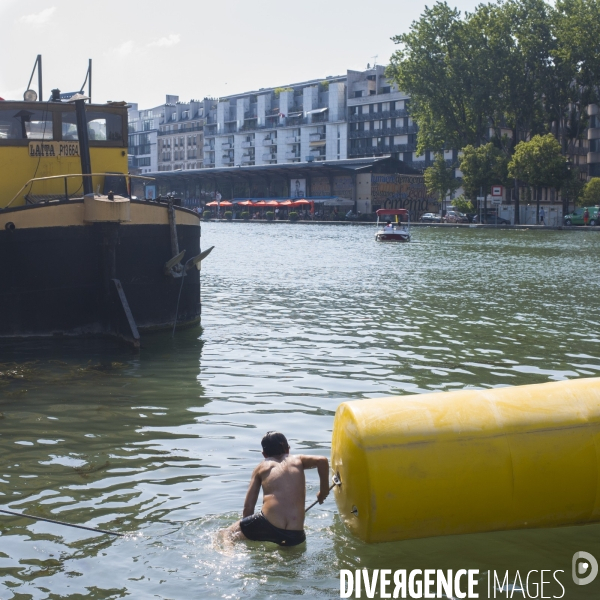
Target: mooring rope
17	514
336	481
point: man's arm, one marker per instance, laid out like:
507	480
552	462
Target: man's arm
252	494
321	463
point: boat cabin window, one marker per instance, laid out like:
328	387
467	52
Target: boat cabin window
25	124
102	126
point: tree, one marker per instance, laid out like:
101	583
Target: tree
591	193
539	162
463	205
440	180
481	168
448	71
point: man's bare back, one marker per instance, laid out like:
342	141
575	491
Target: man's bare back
281	477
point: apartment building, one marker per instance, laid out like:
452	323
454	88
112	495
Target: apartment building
301	122
181	135
379	121
593	140
143	130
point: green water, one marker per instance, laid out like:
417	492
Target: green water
296	319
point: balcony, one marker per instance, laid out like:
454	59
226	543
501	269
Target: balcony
208	147
248	144
380	150
270	142
246	159
227	146
315	137
227	158
292	155
292	139
384	114
383	132
269	156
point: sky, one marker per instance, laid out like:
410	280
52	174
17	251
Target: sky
142	51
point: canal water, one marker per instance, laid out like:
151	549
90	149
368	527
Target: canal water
296	319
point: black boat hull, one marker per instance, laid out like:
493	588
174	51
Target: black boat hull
57	276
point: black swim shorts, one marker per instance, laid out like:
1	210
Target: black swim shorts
257	528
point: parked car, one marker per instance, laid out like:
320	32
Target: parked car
490	219
430	218
576	217
454	216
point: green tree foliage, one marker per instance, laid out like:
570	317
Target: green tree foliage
539	162
572	189
440	64
481	168
439	178
508	71
462	204
591	193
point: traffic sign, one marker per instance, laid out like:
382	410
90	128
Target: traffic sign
496	201
497	190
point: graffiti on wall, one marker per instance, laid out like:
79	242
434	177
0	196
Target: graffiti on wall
402	191
319	186
342	186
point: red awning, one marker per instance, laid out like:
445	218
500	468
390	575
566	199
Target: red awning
222	203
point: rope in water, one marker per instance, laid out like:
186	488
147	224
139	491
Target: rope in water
17	514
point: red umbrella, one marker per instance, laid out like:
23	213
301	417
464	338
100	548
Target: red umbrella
246	203
260	203
222	203
272	203
300	202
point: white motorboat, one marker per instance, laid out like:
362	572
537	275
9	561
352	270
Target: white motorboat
393	231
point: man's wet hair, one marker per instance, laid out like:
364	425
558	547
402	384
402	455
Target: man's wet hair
274	443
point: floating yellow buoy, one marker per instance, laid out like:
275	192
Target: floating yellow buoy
469	461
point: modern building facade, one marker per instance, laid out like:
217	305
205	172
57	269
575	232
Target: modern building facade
361	114
301	122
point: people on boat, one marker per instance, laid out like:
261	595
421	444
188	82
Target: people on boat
281	477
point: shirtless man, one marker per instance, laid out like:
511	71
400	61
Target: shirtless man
281	477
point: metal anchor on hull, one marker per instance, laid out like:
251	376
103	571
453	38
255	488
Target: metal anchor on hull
173	267
198	259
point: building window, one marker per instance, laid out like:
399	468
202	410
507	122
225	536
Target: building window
358	94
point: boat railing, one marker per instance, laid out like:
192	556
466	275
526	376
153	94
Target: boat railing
72	175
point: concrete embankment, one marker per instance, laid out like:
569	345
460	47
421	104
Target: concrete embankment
442	225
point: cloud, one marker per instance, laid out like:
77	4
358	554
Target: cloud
38	19
165	42
125	49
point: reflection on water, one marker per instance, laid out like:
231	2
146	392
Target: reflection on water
295	320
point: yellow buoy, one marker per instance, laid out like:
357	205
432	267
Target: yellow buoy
469	461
